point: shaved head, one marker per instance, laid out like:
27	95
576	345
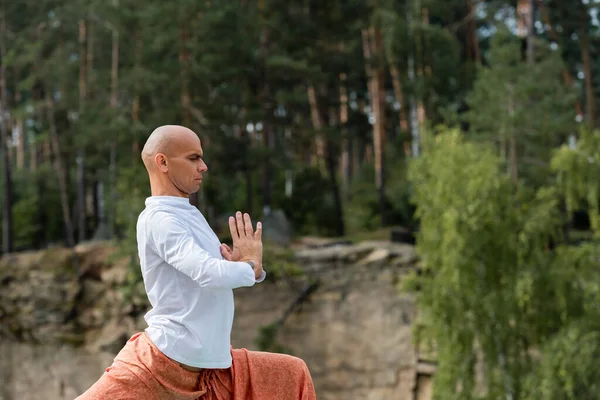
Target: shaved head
172	156
165	139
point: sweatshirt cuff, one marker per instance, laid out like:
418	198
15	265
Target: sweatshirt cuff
262	277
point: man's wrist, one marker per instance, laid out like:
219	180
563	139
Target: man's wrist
257	270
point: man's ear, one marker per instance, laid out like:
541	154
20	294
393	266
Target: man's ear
161	162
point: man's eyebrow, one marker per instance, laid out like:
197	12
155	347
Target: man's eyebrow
195	153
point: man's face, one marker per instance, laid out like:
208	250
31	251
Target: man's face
186	165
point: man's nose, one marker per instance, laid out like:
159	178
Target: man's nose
202	167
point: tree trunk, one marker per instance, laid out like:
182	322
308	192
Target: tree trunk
531	33
319	152
373	52
513	160
512	141
414	120
423	69
196	199
33	156
330	161
268	169
317	122
397	85
135	106
7	220
289	174
249	190
246	139
184	63
80	160
184	95
83	192
10	132
89	55
529	22
60	170
472	41
314	109
248	171
523	18
587	70
114	84
337	200
265	102
554	37
345	164
18	127
379	134
34	150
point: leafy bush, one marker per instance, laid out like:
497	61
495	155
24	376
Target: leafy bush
362	211
311	207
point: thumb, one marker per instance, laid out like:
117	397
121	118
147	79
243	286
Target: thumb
225	251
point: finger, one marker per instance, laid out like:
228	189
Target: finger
225	252
248	225
258	233
233	229
226	247
240	224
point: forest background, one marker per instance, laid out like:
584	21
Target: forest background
469	123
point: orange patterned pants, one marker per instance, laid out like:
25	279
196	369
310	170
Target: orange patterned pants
142	372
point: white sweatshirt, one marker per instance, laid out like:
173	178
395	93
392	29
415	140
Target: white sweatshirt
188	283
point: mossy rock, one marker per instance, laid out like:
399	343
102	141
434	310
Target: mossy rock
71	338
60	261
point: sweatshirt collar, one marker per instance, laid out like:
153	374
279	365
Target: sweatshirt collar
173	201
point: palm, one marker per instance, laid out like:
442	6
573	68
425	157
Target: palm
236	254
247	244
229	254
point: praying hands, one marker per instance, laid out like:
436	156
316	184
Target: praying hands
247	243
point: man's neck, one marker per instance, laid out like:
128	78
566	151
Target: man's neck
159	189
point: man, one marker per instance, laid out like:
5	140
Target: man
189	276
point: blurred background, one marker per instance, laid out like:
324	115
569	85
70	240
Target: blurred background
427	172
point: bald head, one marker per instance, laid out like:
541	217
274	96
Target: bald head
166	140
173	157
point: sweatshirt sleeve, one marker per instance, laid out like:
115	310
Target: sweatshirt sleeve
174	243
262	276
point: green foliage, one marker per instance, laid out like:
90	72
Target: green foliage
568	369
310	208
492	289
499	286
467	240
280	262
36	223
236	73
26	219
512	100
267	339
402	41
578	171
131	191
568	357
362	209
400	210
502	295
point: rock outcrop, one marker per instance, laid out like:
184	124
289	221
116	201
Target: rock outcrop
64	315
